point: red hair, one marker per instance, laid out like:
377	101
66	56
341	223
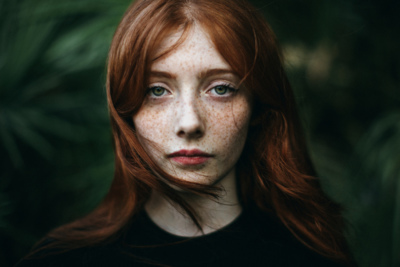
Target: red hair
274	171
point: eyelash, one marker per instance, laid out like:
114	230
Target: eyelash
229	89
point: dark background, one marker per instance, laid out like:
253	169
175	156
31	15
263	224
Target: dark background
56	159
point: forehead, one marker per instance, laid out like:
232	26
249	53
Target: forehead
194	50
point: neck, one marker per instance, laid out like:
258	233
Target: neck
214	214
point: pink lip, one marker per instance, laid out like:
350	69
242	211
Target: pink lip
190	157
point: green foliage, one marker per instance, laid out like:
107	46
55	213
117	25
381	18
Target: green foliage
374	206
55	142
343	62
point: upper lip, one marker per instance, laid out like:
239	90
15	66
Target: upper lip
189	153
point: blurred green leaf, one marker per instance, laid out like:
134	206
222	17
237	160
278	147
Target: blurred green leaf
374	178
55	138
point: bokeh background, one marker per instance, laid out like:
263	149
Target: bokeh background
56	159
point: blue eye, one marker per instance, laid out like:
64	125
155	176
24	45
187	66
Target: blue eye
157	90
222	89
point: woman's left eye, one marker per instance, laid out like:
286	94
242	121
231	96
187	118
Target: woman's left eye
222	89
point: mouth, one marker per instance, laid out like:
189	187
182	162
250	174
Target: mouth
190	157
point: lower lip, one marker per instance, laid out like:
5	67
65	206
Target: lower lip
190	160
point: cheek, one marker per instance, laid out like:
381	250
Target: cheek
229	126
149	126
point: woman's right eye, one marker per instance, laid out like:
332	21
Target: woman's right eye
157	91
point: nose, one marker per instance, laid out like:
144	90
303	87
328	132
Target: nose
190	120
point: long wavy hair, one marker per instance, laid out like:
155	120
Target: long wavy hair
274	171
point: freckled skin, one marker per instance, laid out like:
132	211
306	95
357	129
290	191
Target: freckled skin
190	114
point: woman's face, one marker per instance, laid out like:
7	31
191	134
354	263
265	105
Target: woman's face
194	119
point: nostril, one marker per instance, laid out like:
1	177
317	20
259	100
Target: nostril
181	133
198	133
190	134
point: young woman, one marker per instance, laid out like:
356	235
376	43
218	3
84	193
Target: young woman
211	168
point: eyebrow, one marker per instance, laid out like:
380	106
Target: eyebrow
212	72
202	75
162	74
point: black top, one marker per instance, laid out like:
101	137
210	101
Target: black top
253	239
